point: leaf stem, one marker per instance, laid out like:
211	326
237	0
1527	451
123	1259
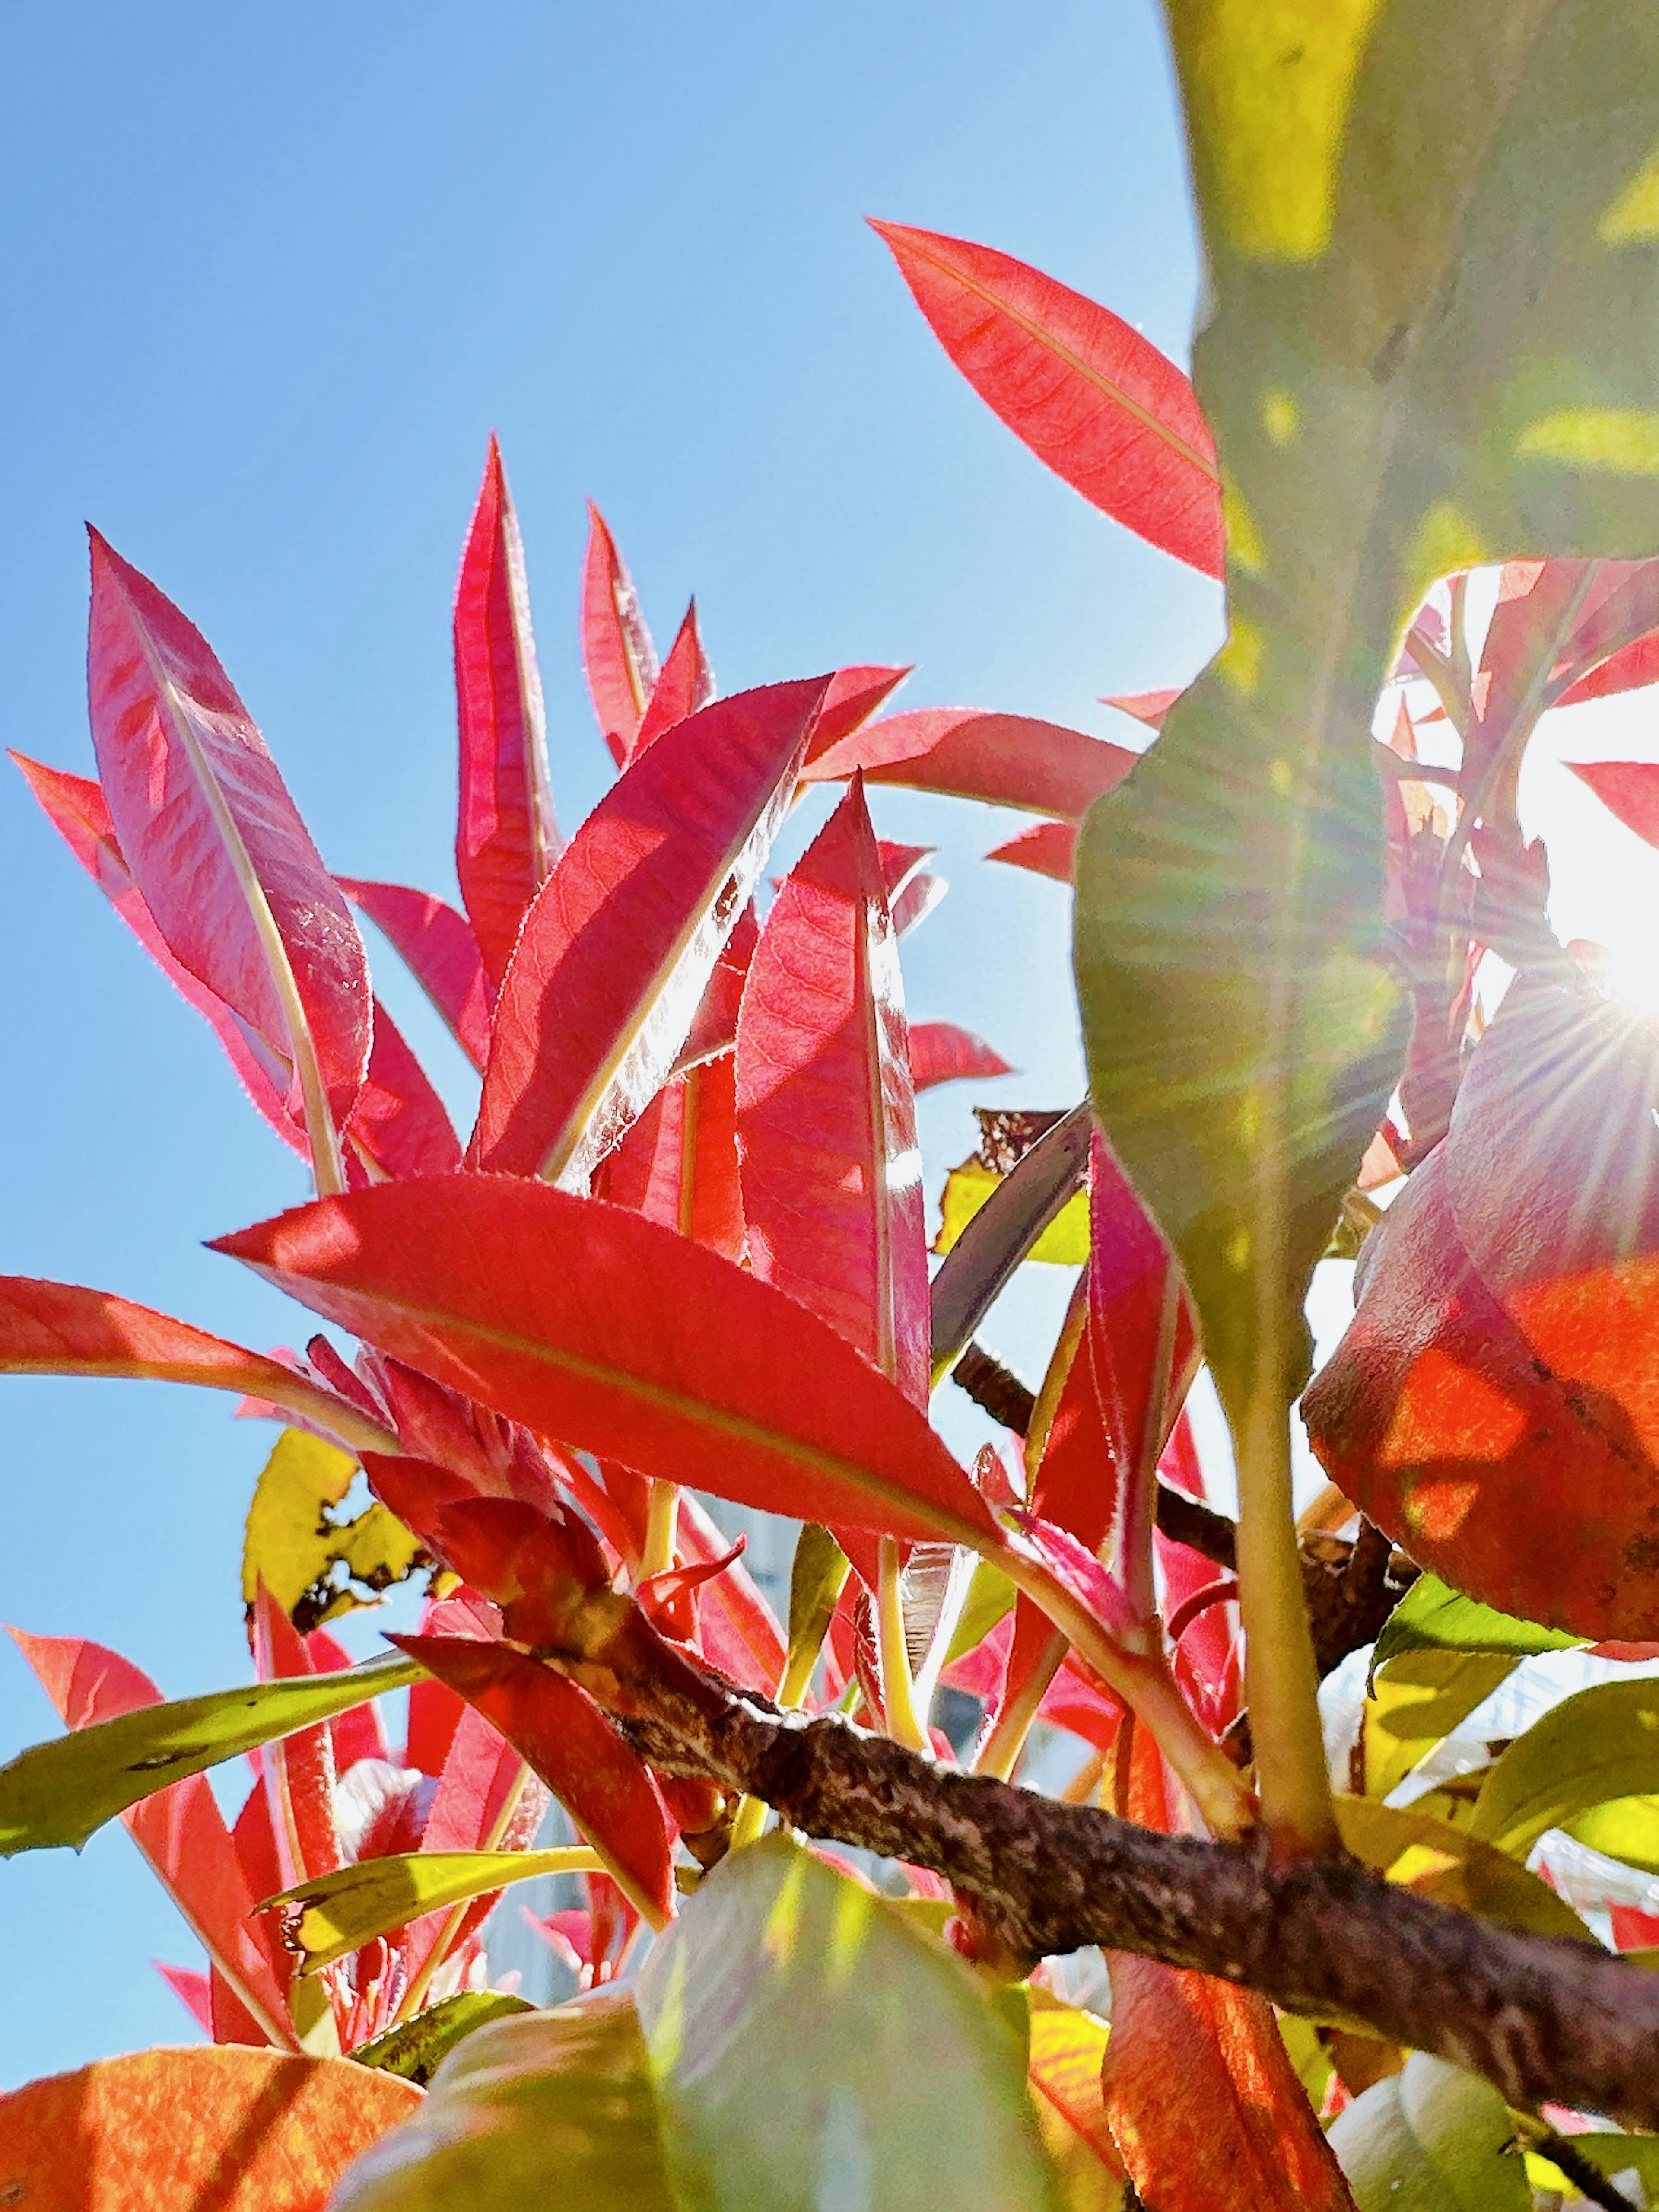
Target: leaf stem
998	1754
904	1723
661	1529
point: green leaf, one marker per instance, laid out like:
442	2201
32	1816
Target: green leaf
1433	285
990	1599
1411	1847
1619	2156
1432	1617
337	1913
59	1792
414	2051
1415	1701
1627	1829
1601	1745
813	2050
550	2109
1431	2139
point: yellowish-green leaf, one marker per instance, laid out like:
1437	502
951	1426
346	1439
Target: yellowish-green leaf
1431	2139
1432	1617
1601	1745
1309	2056
1415	1701
1066	2048
1627	1829
307	1560
1413	1847
59	1792
1065	1241
337	1913
415	2049
550	2109
813	2048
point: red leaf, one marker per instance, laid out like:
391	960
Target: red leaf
738	1631
1538	604
60	1328
215	846
617	950
565	1737
854	695
441	951
615	1336
678	1164
1495	1403
1621	614
685	686
1147	707
1006	760
1629	789
299	1769
192	1992
400	1121
1090	395
242	2129
618	658
1631	669
1046	848
942	1053
506	837
76	808
714	1025
179	1830
1203	2101
826	1113
921	893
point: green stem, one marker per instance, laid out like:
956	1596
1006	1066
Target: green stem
998	1754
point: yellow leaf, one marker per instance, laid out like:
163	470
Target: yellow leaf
295	1547
1065	1241
1066	2048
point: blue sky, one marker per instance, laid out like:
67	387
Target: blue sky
272	277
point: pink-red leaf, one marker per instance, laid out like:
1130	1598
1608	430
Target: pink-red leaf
179	1830
1147	707
619	946
942	1053
506	837
399	1122
826	1111
685	686
441	950
678	1164
561	1732
299	1769
854	695
1090	396
215	844
599	1328
63	1328
1631	668
618	657
1007	760
1629	789
77	809
1046	848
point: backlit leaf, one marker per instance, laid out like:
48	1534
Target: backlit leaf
616	950
1600	1745
802	2033
1428	1854
59	1792
1415	1701
441	951
1006	760
415	2049
1627	1828
1431	2139
243	2131
1046	848
1432	1617
616	1336
1063	1243
942	1053
1067	2047
292	1547
685	685
618	658
1088	394
331	1917
1629	789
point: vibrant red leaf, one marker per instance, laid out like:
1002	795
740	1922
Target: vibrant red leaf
357	1734
506	837
826	1112
1006	760
1629	789
299	1769
1621	614
622	938
236	2129
1046	848
215	846
912	905
61	1328
1203	2101
714	1025
738	1631
595	1326
179	1830
399	1122
854	695
1495	1403
678	1164
618	657
1088	394
193	1990
685	686
1147	707
564	1736
439	950
77	809
942	1053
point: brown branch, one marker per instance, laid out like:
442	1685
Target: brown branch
1350	1589
1541	2017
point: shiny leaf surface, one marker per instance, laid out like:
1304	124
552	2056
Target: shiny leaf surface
331	1917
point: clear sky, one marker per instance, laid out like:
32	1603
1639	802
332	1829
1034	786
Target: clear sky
271	275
